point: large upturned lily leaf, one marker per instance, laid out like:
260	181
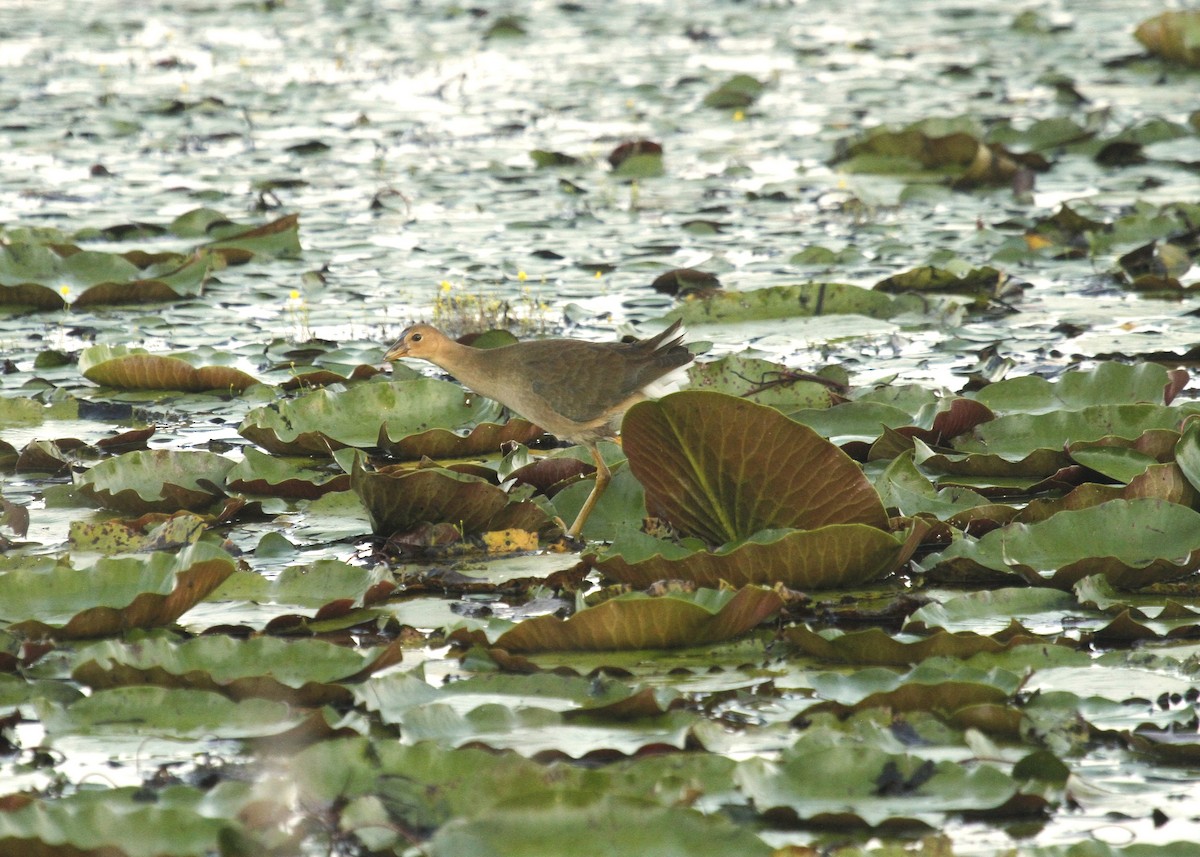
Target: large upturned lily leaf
784	504
721	468
1016	436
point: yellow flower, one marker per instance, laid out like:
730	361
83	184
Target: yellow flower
522	276
64	290
738	116
599	274
446	285
294	295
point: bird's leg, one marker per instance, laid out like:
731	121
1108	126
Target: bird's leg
603	476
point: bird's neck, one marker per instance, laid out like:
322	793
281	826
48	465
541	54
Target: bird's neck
469	365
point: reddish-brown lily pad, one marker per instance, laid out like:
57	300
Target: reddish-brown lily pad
399	502
137	369
639	621
835	556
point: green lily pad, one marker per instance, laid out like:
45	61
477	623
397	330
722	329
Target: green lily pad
1103	384
280	238
365	416
875	646
113	596
1132	543
844	783
804	299
722	469
184	281
1018	435
904	488
171	713
854	421
739	91
615	827
259	473
311	585
979	283
992	611
42	270
639	621
440	443
302	672
157	480
760	381
180	821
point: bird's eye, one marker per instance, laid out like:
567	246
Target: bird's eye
416	337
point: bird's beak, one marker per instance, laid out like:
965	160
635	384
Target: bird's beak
399	349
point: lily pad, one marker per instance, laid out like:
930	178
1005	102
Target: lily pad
157	480
722	469
169	712
1174	36
364	416
1104	384
399	502
639	621
875	646
138	369
1132	543
833	556
111	597
615	827
840	783
180	820
761	381
739	91
1018	435
302	672
440	443
804	299
259	473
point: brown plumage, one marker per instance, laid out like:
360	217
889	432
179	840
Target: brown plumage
574	389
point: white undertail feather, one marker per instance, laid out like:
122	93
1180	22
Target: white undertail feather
672	382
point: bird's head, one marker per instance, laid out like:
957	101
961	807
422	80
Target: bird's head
420	340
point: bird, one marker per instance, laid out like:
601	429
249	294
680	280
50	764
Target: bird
574	389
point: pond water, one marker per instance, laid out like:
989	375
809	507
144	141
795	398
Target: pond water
402	133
